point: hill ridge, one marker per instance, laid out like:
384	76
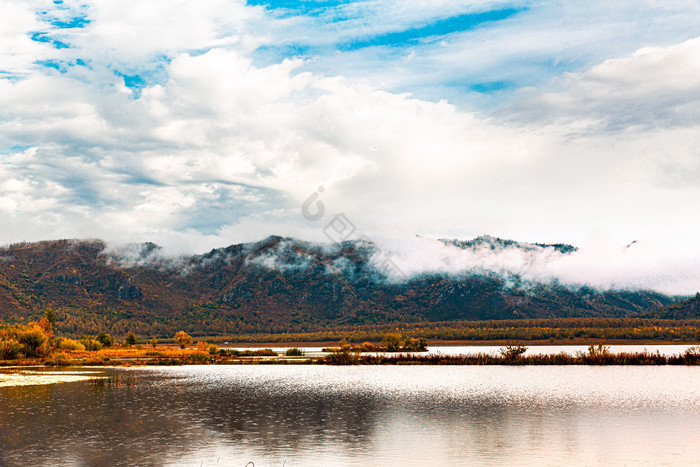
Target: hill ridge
277	284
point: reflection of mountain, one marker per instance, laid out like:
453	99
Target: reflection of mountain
316	415
143	417
275	285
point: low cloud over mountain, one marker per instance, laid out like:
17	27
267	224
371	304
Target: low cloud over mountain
281	284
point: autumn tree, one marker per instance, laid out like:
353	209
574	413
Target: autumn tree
34	340
415	345
90	343
130	339
48	322
183	339
344	346
9	349
50	317
105	339
392	342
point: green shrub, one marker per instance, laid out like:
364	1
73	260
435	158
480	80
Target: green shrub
130	339
392	342
247	353
69	344
91	344
10	349
294	352
197	357
105	339
415	345
342	358
59	359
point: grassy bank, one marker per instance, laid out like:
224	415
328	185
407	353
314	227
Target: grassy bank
512	354
139	356
35	344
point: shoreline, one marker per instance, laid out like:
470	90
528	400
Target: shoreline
468	343
508	354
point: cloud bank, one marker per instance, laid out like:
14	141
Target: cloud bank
598	263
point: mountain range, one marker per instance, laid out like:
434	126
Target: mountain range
280	285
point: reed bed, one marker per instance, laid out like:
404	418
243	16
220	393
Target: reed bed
595	356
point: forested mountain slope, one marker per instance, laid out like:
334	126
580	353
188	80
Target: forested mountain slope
275	285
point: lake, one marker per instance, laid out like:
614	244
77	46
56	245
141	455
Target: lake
299	415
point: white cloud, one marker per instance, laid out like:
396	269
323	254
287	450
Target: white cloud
131	35
17	50
655	86
671	267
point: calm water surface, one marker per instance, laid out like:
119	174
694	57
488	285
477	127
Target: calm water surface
385	415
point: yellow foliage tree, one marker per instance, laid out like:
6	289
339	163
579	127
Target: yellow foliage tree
48	323
34	340
183	339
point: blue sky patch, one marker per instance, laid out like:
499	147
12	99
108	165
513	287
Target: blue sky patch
286	8
133	81
55	64
491	87
442	27
138	79
14	149
70	23
45	37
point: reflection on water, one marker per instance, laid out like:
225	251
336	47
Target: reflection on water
318	415
40	375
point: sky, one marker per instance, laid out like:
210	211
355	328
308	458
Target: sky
199	124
